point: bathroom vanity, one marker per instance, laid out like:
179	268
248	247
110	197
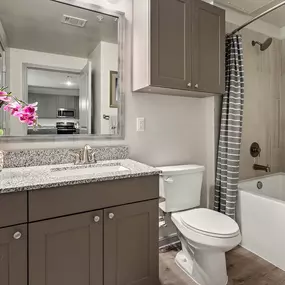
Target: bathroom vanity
87	229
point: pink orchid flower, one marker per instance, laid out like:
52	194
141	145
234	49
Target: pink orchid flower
14	108
4	97
30	108
27	118
26	113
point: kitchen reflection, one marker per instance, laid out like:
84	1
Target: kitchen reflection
58	96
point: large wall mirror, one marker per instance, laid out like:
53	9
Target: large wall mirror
67	56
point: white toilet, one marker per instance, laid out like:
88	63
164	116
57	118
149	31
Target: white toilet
205	234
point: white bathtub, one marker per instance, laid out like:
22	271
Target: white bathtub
261	216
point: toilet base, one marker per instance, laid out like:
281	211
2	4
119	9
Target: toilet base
187	266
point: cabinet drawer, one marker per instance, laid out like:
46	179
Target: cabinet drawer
61	201
13	209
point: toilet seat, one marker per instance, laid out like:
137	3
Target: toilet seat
209	223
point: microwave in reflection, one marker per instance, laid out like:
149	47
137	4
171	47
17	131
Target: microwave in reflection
65	113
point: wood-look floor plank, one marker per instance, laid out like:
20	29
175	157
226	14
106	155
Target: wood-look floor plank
244	268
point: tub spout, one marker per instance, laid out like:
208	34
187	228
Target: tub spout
265	168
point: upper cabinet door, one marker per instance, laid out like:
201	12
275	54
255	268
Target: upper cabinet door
171	44
13	255
209	48
131	244
67	250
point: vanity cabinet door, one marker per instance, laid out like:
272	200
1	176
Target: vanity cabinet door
13	255
131	244
67	250
209	48
171	43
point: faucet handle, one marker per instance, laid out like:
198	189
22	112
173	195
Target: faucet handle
77	157
93	157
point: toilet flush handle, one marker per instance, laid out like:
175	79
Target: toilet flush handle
169	180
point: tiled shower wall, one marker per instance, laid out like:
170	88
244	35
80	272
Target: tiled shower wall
262	109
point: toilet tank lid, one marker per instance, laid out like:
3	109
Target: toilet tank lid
181	169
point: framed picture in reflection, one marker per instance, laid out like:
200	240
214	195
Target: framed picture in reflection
114	102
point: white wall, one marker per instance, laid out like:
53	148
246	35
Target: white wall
3	36
17	57
95	58
109	62
104	59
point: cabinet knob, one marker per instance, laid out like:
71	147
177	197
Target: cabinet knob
111	216
189	84
96	219
196	85
17	235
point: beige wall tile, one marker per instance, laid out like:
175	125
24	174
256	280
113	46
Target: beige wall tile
262	99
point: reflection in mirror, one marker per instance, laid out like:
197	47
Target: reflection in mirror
65	58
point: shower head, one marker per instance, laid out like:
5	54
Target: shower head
263	46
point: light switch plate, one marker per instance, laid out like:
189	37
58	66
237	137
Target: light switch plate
140	124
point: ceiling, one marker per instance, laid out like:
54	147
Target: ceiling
255	7
36	25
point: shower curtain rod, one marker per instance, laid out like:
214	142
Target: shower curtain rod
257	17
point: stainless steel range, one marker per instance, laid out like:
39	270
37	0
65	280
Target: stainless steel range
66	128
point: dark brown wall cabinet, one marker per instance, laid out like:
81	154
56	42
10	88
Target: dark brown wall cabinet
178	47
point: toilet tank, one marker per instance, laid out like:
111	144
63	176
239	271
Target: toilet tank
181	186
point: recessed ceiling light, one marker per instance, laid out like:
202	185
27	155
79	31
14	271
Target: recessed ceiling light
68	81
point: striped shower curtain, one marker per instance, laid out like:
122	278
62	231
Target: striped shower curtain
227	175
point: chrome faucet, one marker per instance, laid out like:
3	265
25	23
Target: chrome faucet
83	157
85	154
265	168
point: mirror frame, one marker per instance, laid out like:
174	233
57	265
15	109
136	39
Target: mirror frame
121	110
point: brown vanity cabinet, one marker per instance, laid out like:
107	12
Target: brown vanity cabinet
13	209
118	245
13	255
67	250
103	233
131	244
178	47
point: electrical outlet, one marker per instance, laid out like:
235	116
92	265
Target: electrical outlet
140	124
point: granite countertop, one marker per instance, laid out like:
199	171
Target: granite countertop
40	177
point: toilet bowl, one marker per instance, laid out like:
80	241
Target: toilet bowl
205	235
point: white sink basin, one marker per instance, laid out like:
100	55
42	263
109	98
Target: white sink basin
85	170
